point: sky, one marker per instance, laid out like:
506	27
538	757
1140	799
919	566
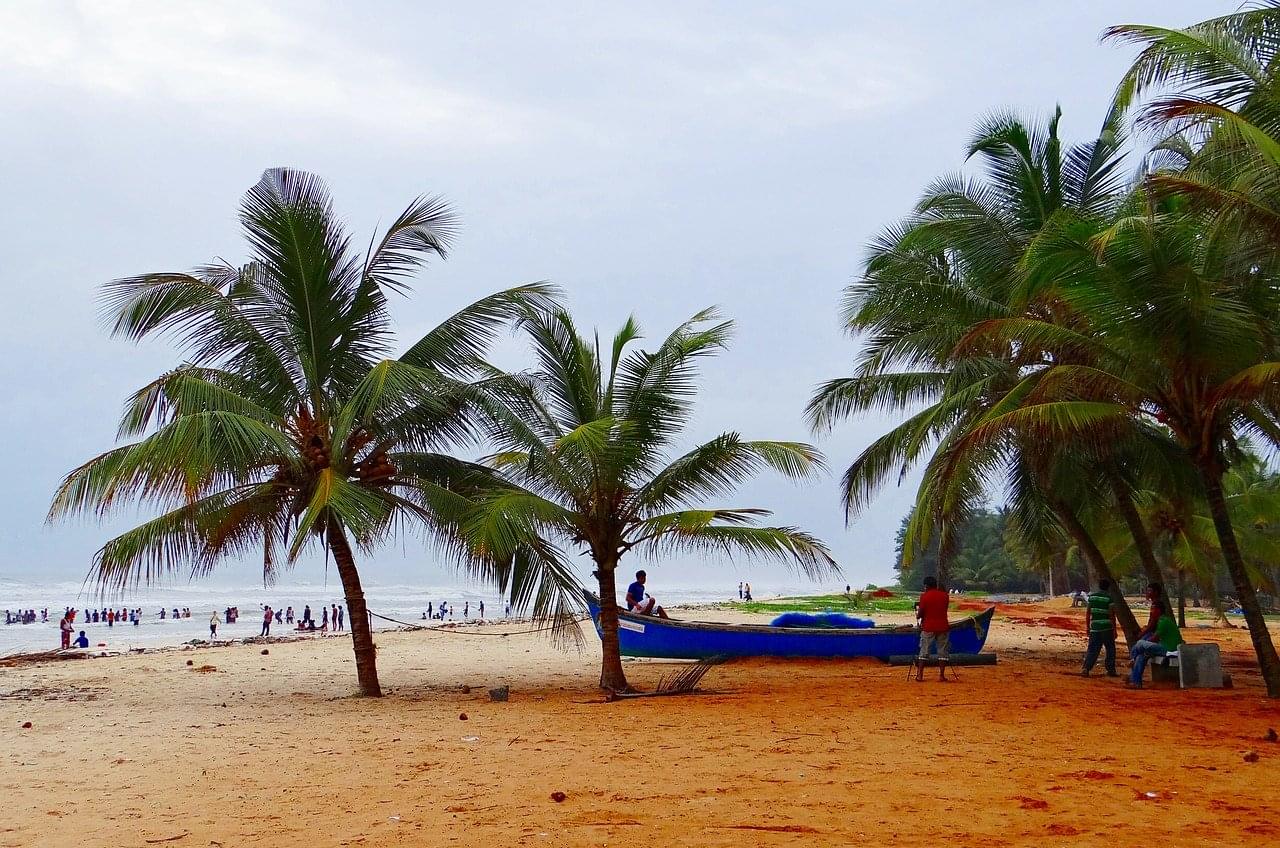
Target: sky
650	158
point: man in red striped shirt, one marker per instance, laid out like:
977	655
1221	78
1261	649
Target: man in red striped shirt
931	610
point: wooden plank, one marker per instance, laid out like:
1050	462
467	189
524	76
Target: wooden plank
956	659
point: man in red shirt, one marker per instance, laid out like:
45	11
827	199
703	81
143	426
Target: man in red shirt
934	627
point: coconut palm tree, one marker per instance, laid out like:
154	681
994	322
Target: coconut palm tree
950	267
288	423
1212	91
1184	532
584	449
1183	331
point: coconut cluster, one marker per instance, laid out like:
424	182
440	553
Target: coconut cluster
375	466
315	452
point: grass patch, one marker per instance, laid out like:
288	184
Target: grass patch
822	603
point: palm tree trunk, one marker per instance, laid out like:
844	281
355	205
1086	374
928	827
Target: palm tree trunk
1268	661
357	612
612	676
1101	570
1058	569
1142	541
1182	598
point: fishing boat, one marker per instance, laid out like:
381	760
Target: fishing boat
650	636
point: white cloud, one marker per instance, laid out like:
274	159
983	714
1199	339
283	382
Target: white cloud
247	59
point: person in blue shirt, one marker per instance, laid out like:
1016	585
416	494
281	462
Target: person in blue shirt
641	603
83	641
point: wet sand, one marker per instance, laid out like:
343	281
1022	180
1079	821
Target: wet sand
273	750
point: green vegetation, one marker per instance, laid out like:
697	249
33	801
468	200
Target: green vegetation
583	447
1092	347
286	425
835	603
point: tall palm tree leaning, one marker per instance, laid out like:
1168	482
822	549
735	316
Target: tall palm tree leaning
583	447
953	265
287	424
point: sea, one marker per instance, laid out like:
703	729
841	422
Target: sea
404	603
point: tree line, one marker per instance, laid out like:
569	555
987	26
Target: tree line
991	554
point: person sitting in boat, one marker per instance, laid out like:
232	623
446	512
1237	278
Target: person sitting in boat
641	603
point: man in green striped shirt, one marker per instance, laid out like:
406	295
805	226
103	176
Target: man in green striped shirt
1100	621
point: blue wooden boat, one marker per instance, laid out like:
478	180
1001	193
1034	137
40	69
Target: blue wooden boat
650	636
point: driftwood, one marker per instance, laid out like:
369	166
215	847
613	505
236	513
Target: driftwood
684	682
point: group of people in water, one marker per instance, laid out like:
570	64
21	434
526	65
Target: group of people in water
332	618
446	611
27	616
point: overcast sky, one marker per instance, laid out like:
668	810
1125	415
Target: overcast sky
650	158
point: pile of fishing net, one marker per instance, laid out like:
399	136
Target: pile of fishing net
822	619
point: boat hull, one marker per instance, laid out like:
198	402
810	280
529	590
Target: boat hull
649	636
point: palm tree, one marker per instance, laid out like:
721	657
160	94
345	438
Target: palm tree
583	447
287	423
1184	531
1183	331
1212	90
953	266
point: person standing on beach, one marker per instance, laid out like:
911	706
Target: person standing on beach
342	617
324	618
482	609
65	627
739	590
1100	622
746	592
935	630
267	615
213	625
288	615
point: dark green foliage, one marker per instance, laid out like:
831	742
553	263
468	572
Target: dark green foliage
981	560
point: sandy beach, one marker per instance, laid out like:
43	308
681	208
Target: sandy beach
245	749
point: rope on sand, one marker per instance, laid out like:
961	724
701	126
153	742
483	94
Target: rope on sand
455	632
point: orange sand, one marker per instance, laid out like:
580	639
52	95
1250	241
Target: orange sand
269	750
